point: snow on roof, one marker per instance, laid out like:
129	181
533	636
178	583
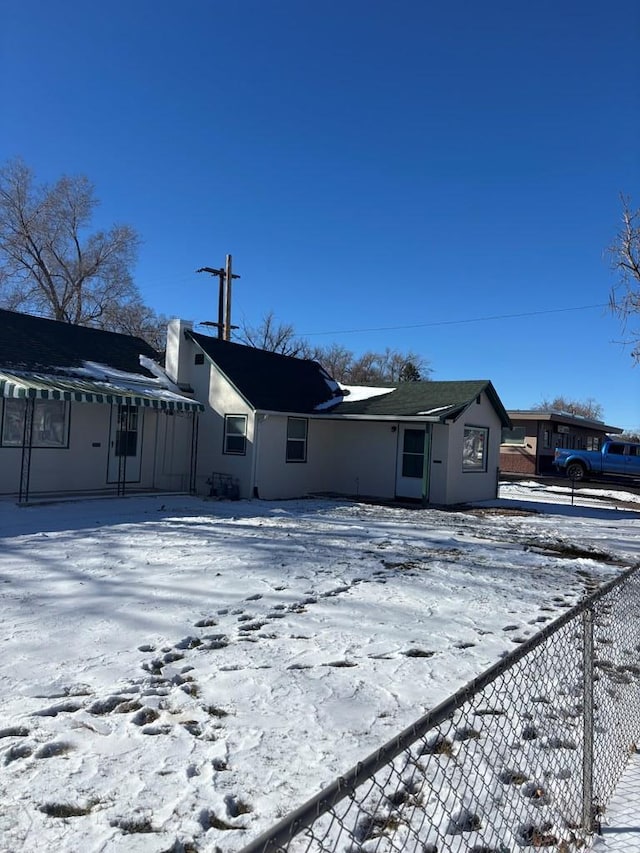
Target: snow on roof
91	380
353	394
435	411
364	392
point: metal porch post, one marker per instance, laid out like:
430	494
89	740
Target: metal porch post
27	444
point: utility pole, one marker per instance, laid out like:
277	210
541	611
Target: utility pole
227	314
225	277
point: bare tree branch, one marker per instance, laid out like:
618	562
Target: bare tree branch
588	408
370	368
624	298
51	265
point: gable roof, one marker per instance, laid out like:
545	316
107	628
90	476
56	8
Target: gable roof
37	343
436	401
280	383
269	381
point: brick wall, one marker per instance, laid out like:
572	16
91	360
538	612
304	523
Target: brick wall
517	463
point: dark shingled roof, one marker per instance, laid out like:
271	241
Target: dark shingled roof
281	383
39	344
268	380
430	399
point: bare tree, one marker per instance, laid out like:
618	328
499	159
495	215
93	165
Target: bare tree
370	368
336	360
624	299
51	265
274	336
588	408
136	318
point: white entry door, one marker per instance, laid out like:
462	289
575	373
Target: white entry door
411	463
125	442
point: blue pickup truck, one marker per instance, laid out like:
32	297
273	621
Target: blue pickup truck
614	459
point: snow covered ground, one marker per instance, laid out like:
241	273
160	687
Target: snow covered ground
177	673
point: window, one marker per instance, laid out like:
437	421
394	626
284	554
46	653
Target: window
235	434
413	453
127	431
50	423
296	440
513	436
474	449
546	438
616	449
593	442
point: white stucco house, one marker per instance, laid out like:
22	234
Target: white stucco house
281	427
83	411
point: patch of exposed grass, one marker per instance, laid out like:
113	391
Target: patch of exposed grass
438	746
236	807
214	711
65	810
209	820
418	653
134	826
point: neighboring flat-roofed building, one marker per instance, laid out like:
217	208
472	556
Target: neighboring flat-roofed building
528	446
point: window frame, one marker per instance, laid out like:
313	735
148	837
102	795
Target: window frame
295	441
411	456
39	408
512	441
227	434
468	465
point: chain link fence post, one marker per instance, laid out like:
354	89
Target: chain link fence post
588	815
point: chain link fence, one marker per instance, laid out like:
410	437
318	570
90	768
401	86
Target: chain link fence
526	756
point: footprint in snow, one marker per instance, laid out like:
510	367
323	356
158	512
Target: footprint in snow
145	716
14	731
234	808
53	749
189	643
16	752
62	708
163	729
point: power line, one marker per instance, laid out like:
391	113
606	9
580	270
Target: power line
457	322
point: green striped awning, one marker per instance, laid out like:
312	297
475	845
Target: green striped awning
41	386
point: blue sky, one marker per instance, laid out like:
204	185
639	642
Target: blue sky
383	173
